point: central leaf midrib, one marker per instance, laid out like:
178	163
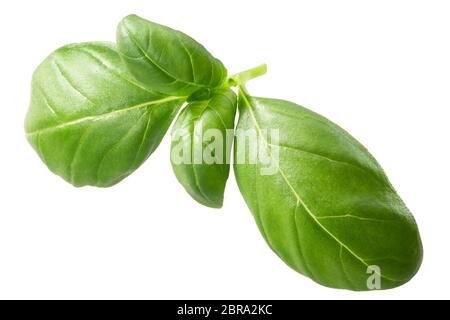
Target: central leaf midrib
297	196
105	115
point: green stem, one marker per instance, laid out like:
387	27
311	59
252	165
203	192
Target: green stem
239	79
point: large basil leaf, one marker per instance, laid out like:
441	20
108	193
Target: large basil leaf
329	210
89	120
168	59
201	144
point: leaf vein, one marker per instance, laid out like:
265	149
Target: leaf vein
71	84
354	217
116	144
106	115
357	166
113	71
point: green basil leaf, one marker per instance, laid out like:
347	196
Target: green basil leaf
328	210
169	60
89	120
202	137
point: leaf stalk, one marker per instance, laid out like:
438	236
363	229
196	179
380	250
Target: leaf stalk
241	78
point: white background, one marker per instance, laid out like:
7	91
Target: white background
380	69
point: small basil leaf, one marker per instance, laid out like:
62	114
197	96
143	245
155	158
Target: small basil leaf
167	59
199	95
89	120
328	210
201	144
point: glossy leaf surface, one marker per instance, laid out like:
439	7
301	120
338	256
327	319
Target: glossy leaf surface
89	120
174	62
329	210
203	130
